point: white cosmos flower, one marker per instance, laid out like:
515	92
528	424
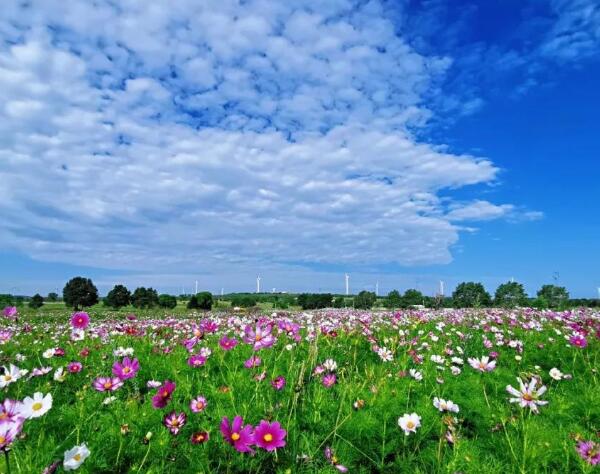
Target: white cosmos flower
455	370
385	354
49	353
109	400
77	334
409	423
330	365
10	375
60	374
415	374
527	395
556	374
445	405
36	406
75	456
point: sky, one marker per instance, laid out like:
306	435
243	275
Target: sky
402	142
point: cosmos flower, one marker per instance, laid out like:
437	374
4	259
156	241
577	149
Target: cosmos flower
260	336
527	395
483	364
330	365
5	336
269	436
11	374
200	437
556	374
10	312
254	361
9	431
36	406
126	369
445	405
385	354
198	404
10	411
278	383
174	421
333	460
237	435
578	340
227	343
415	374
196	360
75	456
80	320
107	384
59	375
74	367
409	423
589	452
163	394
329	380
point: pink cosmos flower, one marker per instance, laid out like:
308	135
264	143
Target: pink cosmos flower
80	320
5	336
196	360
209	326
174	421
10	312
578	340
126	369
8	432
163	394
333	460
107	384
200	437
237	435
483	364
198	404
10	412
269	436
227	344
74	367
260	336
254	361
329	380
59	352
278	383
589	452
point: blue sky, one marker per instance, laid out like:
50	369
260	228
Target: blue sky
402	142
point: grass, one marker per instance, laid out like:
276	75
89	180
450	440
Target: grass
492	435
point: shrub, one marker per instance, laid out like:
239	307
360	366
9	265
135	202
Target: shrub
167	301
205	300
36	301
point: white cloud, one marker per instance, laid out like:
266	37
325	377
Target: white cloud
177	135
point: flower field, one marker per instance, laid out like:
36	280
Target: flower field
472	391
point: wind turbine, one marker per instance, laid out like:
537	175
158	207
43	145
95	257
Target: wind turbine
377	288
258	284
347	284
441	288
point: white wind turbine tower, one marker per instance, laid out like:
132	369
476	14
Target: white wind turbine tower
441	288
196	287
377	288
347	284
258	284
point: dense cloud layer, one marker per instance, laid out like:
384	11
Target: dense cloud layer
162	134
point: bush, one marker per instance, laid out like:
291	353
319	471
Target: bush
118	297
79	293
36	301
205	300
364	300
470	295
144	298
167	301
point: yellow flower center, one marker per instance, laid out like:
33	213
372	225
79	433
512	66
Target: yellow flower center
257	337
107	384
200	437
410	425
37	406
126	370
77	457
199	406
235	436
7	377
268	437
3	415
527	397
2	439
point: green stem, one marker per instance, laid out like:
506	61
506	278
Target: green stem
7	461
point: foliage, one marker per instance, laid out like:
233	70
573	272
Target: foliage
510	295
144	298
556	296
192	303
118	297
315	300
393	300
412	297
205	300
36	301
167	301
364	300
470	295
339	302
52	297
243	301
80	292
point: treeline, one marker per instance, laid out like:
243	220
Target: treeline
81	292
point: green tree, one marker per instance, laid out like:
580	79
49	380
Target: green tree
192	303
52	297
243	301
470	295
6	300
412	297
144	298
79	293
555	296
167	301
205	300
36	301
364	300
339	302
118	297
510	294
393	300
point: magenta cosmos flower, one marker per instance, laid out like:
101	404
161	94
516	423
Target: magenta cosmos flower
126	369
196	360
10	312
174	421
107	384
198	404
227	344
254	361
200	437
329	380
10	412
237	435
269	436
578	340
589	452
163	394
278	383
74	367
260	336
80	320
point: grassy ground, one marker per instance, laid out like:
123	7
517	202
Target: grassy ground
491	435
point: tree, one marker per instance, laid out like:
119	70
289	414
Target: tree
243	301
6	300
393	300
510	294
144	298
167	301
118	297
364	300
554	295
52	297
470	294
36	301
79	293
412	297
339	302
205	300
315	300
